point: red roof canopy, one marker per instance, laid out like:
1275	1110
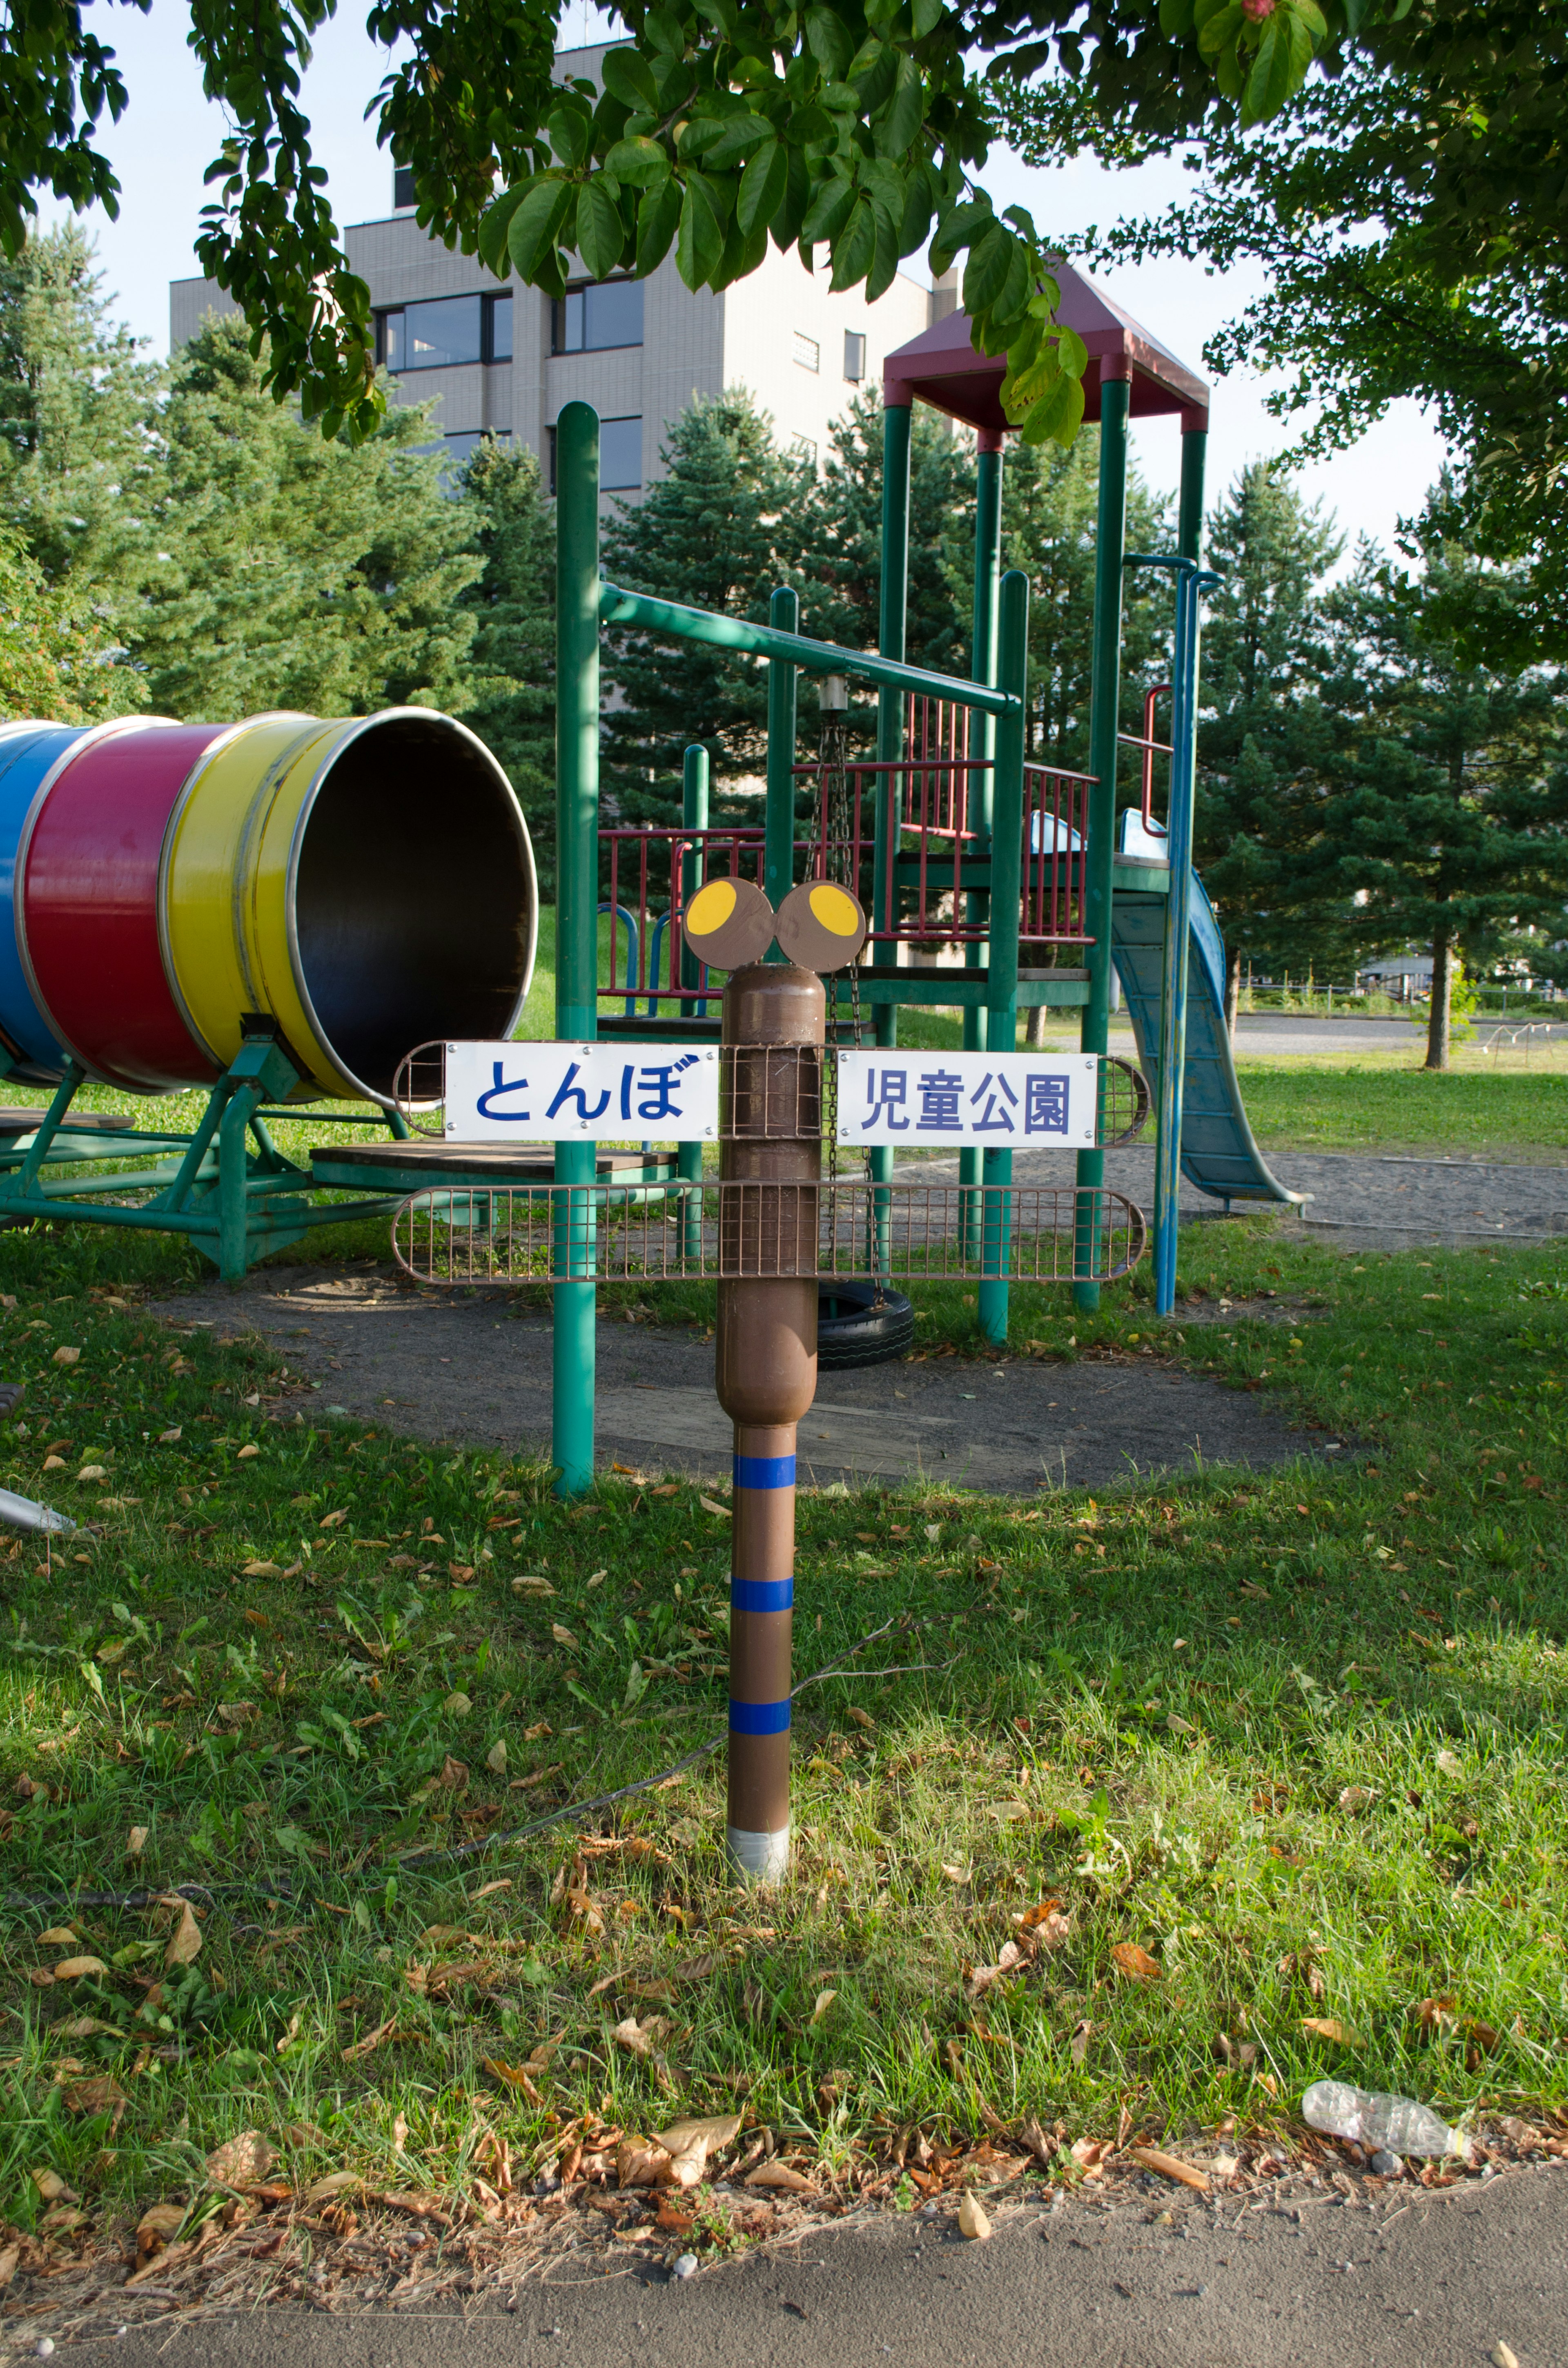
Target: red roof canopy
942	367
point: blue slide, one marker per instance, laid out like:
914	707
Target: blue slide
1218	1151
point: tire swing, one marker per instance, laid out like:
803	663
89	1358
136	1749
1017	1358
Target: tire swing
858	1324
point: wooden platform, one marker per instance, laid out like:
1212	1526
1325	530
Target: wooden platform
15	1120
422	1167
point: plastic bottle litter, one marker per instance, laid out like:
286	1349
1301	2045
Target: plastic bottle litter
1377	2121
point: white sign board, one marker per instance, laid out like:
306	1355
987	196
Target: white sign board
1000	1101
582	1093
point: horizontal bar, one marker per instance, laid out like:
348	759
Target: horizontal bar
618	608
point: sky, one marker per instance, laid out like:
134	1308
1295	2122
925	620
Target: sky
170	133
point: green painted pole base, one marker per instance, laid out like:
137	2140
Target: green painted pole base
996	1168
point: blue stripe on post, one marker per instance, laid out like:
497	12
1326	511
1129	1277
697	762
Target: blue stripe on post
765	1472
762	1594
759	1718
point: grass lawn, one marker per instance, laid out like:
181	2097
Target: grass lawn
1261	1776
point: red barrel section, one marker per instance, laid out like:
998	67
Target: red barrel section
89	866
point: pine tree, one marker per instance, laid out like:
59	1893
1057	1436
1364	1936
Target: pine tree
512	667
841	551
294	571
1447	814
1266	735
1050	500
57	663
79	448
716	533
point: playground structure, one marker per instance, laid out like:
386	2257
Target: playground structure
270	911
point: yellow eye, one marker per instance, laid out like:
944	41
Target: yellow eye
711	907
834	910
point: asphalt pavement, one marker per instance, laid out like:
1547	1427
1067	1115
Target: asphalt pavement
1414	2278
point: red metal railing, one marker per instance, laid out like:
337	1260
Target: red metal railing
1151	749
934	792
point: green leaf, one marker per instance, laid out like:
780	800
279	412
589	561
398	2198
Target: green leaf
828	211
1058	415
899	121
1175	18
638	164
601	233
763	186
722	14
665	30
786	223
657	219
1218	26
854	248
532	232
737	136
629	78
959	227
884	266
919	203
827	38
492	229
742	254
569	126
928	15
873	81
985	274
1228	71
700	243
1274	75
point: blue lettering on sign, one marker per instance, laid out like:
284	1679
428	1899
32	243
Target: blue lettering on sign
1045	1105
516	1086
992	1121
658	1084
569	1092
894	1095
939	1090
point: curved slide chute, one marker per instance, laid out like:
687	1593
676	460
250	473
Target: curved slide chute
1218	1151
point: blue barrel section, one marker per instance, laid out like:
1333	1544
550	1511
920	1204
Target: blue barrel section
29	754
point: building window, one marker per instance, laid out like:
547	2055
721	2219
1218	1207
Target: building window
456	449
620	456
587	320
854	356
444	333
403	189
808	353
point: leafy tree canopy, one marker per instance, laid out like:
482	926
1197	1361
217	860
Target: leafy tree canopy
58	662
722	124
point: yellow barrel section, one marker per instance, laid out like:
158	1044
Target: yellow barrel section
368	885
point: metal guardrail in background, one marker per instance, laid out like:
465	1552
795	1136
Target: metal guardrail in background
510	1235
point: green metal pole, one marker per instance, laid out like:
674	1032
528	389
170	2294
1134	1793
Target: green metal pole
891	642
779	854
1007	892
1099	856
693	818
1194	454
577	918
983	667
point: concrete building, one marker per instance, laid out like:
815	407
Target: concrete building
496	357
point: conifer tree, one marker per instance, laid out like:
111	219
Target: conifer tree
512	666
79	443
295	572
1447	819
841	523
716	533
1266	734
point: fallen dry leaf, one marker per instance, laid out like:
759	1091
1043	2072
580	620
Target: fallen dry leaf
863	1718
77	1969
158	2226
332	1520
1503	2356
1046	1926
512	2076
338	2182
1134	1962
562	1635
716	2131
1089	2154
502	1882
59	1936
531	1584
825	2001
638	2038
496	1759
709	1506
1329	2026
66	1355
972	2222
243	2161
136	1840
371	2039
1078	2045
1171	2166
262	1570
457	1706
980	1977
778	2174
51	2186
169	1438
185	1941
10	2257
1355	1798
85	2026
103	2095
642	2162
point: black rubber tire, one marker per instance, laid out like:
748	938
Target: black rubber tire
852	1331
